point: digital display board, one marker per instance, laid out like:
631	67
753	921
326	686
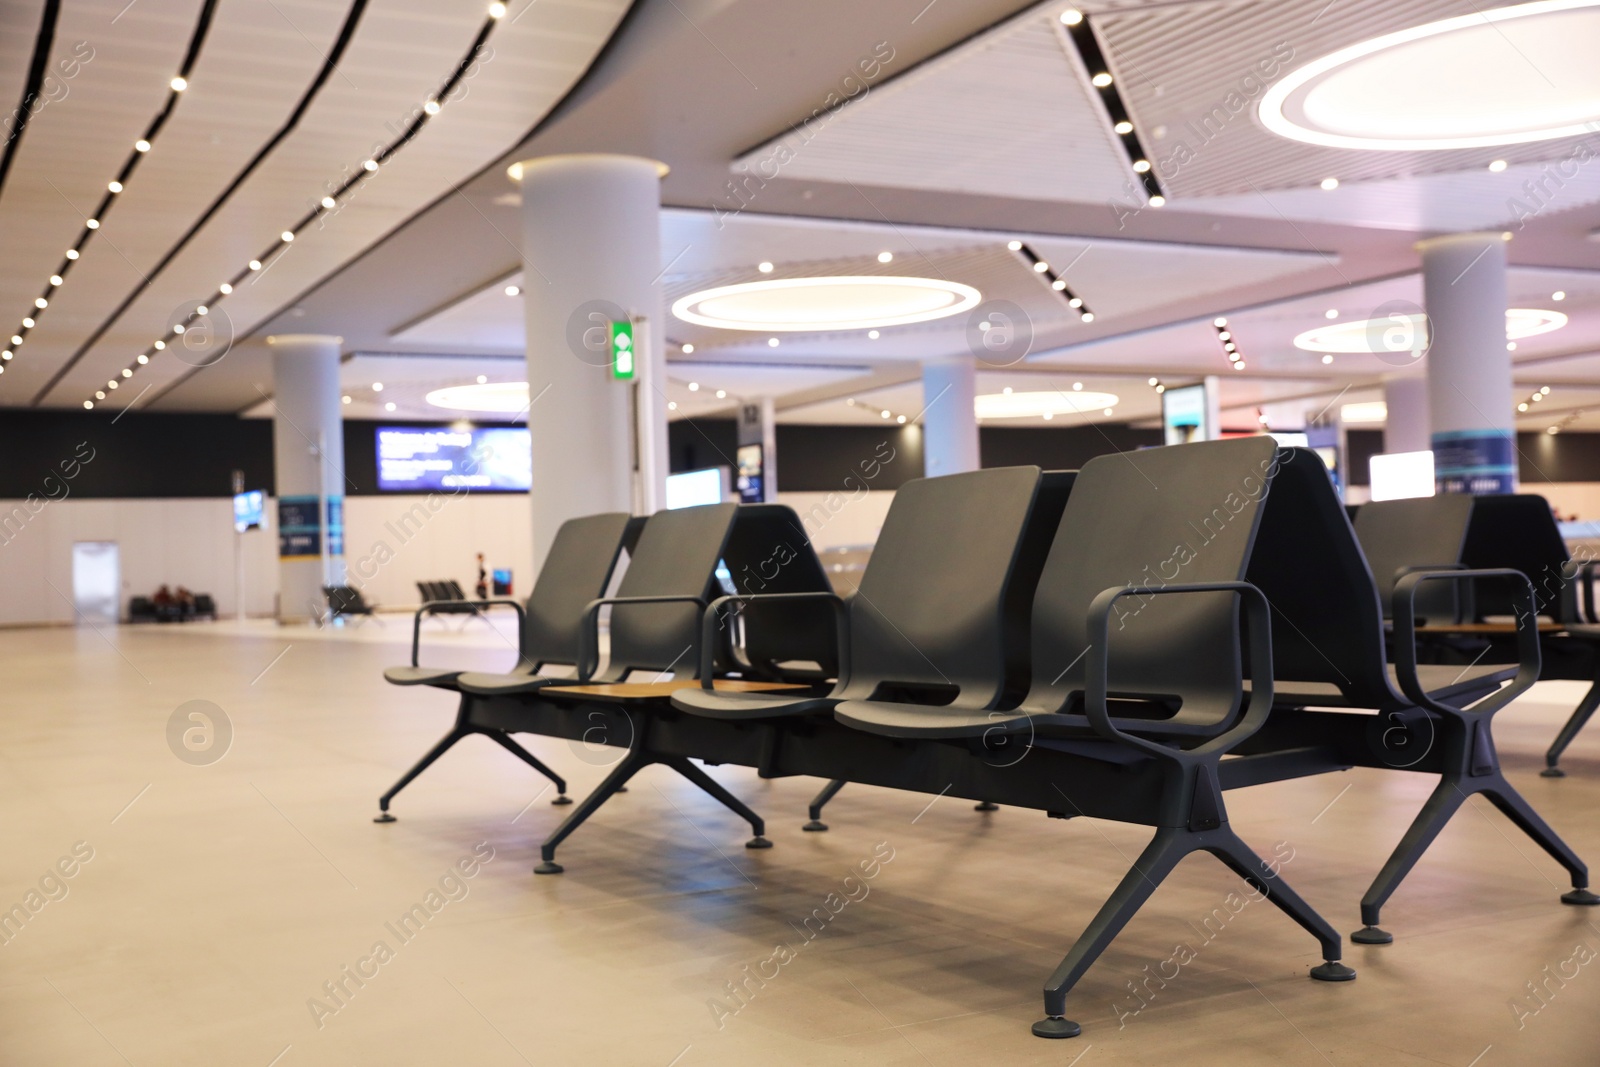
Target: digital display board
249	509
413	459
691	489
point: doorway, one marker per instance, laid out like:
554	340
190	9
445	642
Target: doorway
96	582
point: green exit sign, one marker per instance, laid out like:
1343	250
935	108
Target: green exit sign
622	359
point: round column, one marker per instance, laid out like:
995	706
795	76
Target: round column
308	458
591	249
949	418
1406	423
1469	369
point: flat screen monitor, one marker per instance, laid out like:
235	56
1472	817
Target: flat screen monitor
691	489
752	473
1401	475
417	459
249	509
1183	415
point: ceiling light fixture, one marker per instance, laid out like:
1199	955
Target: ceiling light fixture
764	267
179	84
1409	332
1042	403
1100	80
1071	17
1367	412
497	397
1559	294
1462	82
885	257
1330	184
1497	166
1080	36
810	305
512	290
688	349
1057	283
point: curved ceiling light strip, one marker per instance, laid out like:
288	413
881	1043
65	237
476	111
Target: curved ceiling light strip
140	147
329	203
42	44
1076	26
346	32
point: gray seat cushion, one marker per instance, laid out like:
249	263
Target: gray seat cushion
714	705
438	676
483	683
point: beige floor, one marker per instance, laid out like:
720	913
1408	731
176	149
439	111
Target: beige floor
221	898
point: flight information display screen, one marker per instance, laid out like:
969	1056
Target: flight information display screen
413	459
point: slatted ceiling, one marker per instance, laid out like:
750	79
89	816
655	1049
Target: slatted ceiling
1466	200
533	64
19	25
1166	61
1126	278
1007	114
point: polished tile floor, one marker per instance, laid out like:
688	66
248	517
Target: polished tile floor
191	910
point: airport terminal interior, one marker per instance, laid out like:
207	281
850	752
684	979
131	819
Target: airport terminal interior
885	532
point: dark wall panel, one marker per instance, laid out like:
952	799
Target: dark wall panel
1066	449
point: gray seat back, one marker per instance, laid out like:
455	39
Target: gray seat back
576	570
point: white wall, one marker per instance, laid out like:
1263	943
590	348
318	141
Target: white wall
389	545
842	519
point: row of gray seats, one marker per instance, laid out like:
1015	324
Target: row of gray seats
1091	645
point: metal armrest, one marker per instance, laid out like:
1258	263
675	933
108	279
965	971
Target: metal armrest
1405	640
1583	570
708	626
1258	617
589	649
429	605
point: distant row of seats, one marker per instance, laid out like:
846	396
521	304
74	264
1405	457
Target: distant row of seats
145	609
1084	645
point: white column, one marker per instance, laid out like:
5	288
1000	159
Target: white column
591	253
1406	426
308	458
758	425
1469	370
949	421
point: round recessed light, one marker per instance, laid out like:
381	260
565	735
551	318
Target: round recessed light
179	84
141	145
1327	359
722	394
1407	333
1101	80
885	257
1158	201
345	399
1071	17
1331	313
873	335
1559	294
92	224
497	10
72	253
1219	322
883	414
329	203
1015	246
1032	405
377	387
431	107
1123	127
764	267
224	288
772	342
694	387
672	405
1506	75
1497	166
512	290
142	359
1140	166
370	165
389	406
255	264
1330	184
790	305
499	397
115	187
1077	387
483	379
688	350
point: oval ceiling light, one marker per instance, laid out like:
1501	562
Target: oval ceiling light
814	305
1372	335
499	397
1045	403
1503	76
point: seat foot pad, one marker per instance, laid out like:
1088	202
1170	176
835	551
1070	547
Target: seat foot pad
1333	971
1580	897
549	867
1371	935
815	826
986	806
385	817
1552	772
1056	1026
562	799
758	842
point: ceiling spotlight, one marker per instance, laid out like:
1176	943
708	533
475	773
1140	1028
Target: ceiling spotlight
1041	266
16	338
764	267
377	387
431	107
345	399
1140	166
6	354
1123	127
873	335
1497	166
329	203
1331	313
672	405
201	310
1225	336
1330	184
89	404
27	322
1559	294
497	10
177	328
126	373
883	414
1101	80
93	224
389	406
1106	412
1071	17
99	394
722	394
688	349
1059	284
512	290
141	359
1511	346
1155	381
159	345
72	253
1049	415
225	288
1088	316
1158	201
1077	387
1553	430
286	236
694	387
179	84
1219	323
483	379
115	187
1015	246
901	419
1327	359
141	145
1075	302
1522	406
370	165
885	257
1239	365
1161	389
40	302
255	264
1544	390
